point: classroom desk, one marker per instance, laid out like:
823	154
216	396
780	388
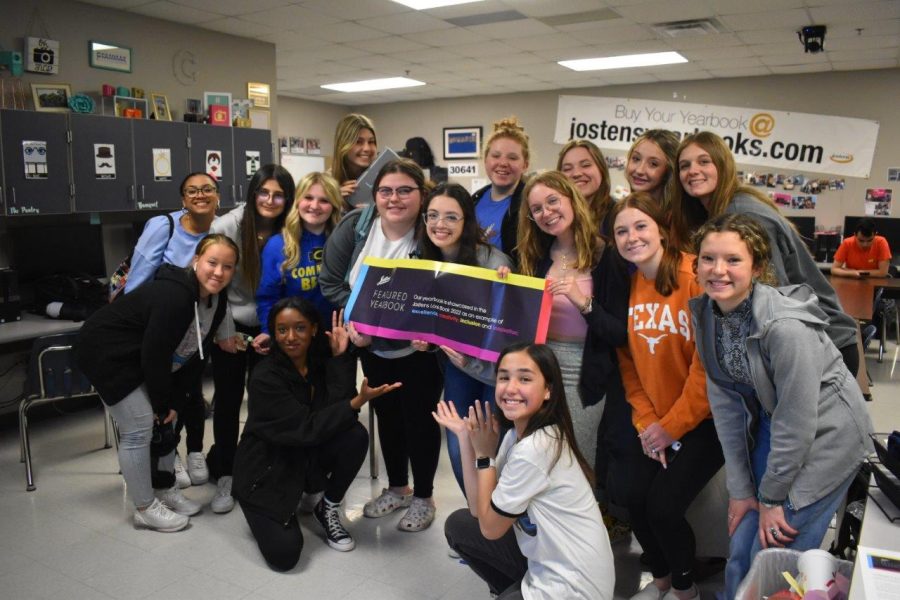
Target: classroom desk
34	326
857	296
877	532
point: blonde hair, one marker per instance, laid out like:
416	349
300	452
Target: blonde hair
509	128
345	135
293	225
533	243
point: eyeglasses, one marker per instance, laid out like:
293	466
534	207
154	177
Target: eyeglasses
206	190
537	211
264	195
403	192
433	218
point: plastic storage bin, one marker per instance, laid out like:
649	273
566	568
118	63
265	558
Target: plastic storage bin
764	577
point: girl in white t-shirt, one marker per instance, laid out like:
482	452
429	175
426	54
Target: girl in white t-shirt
533	529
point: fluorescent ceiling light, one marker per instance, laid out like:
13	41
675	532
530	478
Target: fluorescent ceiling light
624	62
426	4
371	85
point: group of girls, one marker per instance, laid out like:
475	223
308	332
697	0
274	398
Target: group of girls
627	402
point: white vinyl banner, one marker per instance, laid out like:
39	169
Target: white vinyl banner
769	138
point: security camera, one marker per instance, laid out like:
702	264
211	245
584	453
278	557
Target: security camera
812	38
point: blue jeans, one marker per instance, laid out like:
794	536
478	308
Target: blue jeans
134	418
462	391
811	521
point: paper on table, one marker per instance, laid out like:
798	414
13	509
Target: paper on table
880	573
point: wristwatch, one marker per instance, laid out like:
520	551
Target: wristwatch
484	462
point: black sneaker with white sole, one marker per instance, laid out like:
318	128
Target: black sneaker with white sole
328	514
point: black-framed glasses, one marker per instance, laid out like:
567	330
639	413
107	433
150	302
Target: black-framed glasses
206	190
264	195
537	211
403	192
434	217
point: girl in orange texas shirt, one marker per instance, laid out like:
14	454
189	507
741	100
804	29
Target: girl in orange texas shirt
666	387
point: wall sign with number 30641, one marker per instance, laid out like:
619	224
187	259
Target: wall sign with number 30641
463	169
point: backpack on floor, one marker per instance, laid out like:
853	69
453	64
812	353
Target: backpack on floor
119	277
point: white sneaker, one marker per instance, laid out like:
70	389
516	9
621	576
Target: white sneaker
158	517
182	479
197	468
308	502
222	502
175	499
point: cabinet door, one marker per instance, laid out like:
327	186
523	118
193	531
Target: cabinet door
36	162
211	152
160	162
252	149
102	163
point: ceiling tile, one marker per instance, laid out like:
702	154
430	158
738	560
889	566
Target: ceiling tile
172	12
726	52
794	18
354	9
789	69
794	59
467	10
343	32
232	7
856	11
512	29
751	61
859	42
426	55
662	11
117	4
742	72
447	37
487	47
505	60
545	42
542	8
716	40
769	36
867	54
387	45
855	65
689	76
238	27
413	22
736	7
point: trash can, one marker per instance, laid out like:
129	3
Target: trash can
764	577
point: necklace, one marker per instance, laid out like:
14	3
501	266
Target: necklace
563	259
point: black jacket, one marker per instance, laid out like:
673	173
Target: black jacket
607	325
510	225
131	341
288	416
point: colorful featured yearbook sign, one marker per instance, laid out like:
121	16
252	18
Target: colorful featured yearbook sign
466	308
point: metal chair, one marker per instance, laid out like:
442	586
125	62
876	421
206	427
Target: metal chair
53	376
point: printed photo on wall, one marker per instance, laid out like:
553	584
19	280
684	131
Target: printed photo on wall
297	145
782	199
35	159
162	164
214	164
803	202
878	202
104	161
894	174
252	159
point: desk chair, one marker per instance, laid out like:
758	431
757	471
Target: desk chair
52	376
886	309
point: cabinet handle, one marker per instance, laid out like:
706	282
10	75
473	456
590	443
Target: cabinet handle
143	197
233	197
13	190
131	192
240	195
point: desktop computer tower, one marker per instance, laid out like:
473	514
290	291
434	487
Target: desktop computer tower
10	301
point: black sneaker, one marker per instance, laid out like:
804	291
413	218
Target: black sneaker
328	515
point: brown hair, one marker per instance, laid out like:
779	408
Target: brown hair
345	135
667	142
533	243
666	280
600	202
750	232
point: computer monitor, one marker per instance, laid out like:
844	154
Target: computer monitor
884	226
39	249
806	227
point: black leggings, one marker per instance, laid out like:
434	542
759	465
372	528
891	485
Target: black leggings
499	562
408	433
230	373
658	499
850	354
341	456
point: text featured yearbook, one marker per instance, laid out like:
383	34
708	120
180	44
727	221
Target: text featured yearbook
469	309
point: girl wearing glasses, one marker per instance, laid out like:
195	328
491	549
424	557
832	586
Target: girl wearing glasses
292	259
559	240
409	436
355	148
506	157
171	239
270	196
449	232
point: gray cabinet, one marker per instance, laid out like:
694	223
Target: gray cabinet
212	152
161	162
35	163
102	164
252	149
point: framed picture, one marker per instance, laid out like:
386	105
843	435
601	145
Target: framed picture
220	99
259	118
462	142
160	107
51	97
113	57
132	108
259	94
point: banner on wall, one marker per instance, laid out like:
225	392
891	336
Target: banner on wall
466	308
770	138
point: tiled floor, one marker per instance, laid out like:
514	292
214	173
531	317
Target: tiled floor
72	538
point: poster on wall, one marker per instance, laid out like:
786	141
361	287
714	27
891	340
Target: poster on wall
41	55
768	138
214	164
104	161
162	164
34	154
252	160
878	202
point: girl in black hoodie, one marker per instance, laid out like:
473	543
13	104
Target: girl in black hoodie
144	352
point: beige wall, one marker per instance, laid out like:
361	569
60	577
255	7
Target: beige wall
307	119
863	94
219	63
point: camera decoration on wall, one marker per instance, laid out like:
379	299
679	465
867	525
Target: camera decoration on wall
113	57
51	97
41	55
